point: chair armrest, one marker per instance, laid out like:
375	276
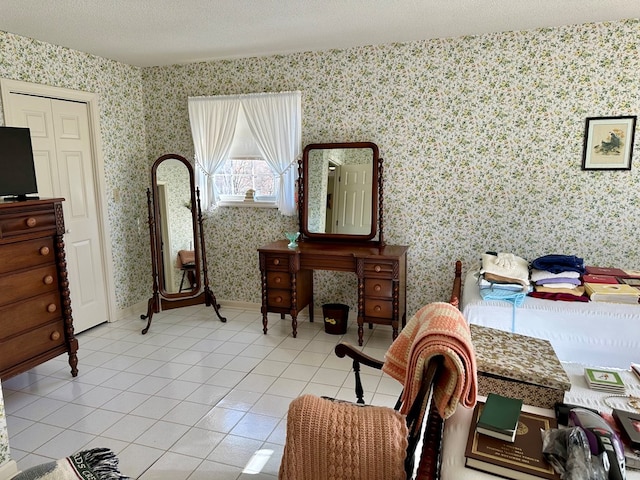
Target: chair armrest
346	349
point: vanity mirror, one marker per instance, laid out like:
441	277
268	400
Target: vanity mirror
178	256
340	192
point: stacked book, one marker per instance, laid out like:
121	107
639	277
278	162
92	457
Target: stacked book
604	380
517	459
499	417
613	285
612	292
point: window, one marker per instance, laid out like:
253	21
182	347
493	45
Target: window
245	169
275	122
237	176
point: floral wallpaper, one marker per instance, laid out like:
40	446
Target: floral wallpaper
126	165
481	139
5	455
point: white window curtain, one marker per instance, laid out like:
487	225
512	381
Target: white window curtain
213	124
275	120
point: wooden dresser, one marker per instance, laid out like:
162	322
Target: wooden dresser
287	279
35	308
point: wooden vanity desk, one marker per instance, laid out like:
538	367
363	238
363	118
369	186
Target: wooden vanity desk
287	279
340	199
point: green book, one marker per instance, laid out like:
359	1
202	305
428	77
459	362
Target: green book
499	417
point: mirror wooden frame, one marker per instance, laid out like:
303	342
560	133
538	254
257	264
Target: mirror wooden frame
376	233
162	299
161	263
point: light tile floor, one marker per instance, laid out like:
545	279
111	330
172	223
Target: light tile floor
192	399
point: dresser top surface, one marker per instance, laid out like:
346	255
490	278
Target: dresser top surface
8	204
335	249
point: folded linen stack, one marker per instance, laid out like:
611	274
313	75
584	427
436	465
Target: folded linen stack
558	277
504	276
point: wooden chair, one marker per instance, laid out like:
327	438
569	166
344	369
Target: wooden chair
421	409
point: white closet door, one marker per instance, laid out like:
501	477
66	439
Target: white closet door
64	168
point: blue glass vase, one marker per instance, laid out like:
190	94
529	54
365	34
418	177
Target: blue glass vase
292	237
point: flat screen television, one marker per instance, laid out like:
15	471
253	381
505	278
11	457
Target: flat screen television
17	168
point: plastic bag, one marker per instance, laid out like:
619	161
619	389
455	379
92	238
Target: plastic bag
567	450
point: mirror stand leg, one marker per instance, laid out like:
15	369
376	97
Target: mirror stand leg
210	299
152	306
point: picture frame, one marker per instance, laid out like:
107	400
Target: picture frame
608	143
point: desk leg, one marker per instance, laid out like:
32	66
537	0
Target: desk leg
263	309
360	305
294	305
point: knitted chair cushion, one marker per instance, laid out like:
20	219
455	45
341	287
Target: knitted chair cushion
329	440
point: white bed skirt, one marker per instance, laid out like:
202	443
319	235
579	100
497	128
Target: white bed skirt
591	333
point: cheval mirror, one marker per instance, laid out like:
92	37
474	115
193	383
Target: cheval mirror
178	255
340	192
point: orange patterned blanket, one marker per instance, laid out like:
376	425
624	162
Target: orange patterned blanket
436	329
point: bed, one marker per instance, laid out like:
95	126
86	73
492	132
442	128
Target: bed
591	333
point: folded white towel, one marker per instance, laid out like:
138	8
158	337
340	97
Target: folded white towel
559	285
506	265
537	275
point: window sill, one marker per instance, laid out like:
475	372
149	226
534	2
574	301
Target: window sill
243	204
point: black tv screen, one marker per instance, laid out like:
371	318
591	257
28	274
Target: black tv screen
17	169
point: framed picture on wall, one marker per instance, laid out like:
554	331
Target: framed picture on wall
608	143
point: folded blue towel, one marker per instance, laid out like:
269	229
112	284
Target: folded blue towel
559	263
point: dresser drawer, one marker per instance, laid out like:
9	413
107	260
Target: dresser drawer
27	283
384	269
20	316
28	221
279	298
378	287
378	308
278	280
21	255
277	262
20	348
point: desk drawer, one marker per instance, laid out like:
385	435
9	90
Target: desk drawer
279	298
278	280
274	261
375	287
27	283
26	222
380	269
21	316
20	348
16	256
378	308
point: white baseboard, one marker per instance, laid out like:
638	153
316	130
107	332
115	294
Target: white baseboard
8	470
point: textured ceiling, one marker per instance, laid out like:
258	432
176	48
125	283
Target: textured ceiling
164	32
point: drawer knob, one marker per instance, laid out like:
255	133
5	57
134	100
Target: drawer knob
276	261
278	299
377	308
55	336
377	268
277	280
48	280
44	251
377	287
51	308
31	222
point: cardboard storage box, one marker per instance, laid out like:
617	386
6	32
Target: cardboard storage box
518	366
